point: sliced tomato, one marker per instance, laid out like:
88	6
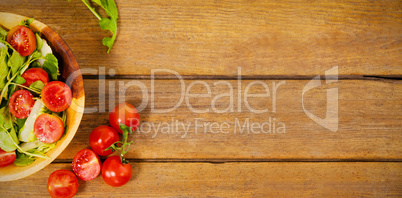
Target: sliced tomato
22	39
86	165
35	74
48	128
56	96
7	158
62	183
21	103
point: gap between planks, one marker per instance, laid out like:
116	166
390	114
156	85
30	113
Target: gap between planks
244	160
259	77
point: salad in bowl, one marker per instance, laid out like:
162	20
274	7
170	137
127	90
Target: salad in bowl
41	96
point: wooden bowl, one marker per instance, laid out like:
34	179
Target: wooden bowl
71	75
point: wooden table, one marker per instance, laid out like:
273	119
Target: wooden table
169	50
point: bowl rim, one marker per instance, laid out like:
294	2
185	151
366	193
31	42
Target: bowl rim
71	74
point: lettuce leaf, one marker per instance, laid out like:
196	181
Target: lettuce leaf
15	62
51	66
23	160
3	67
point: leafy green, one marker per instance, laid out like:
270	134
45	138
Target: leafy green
27	22
37	85
51	66
19	80
104	22
35	64
36	55
15	62
6	143
44	148
8	137
39	42
3	34
23	160
20	123
11	90
31	150
3	67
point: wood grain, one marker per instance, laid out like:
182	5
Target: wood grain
215	37
233	180
370	125
208	40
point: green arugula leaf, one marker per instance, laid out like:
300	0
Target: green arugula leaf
15	62
51	66
7	121
20	123
44	148
39	42
1	119
27	22
23	160
19	80
109	6
36	54
37	85
3	67
6	143
35	64
3	34
111	25
11	90
106	23
14	135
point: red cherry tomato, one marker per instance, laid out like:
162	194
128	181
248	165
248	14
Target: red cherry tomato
21	103
56	96
124	113
116	173
35	74
62	183
7	158
86	165
22	39
101	138
48	128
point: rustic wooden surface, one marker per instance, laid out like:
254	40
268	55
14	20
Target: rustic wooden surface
362	134
280	179
272	41
211	37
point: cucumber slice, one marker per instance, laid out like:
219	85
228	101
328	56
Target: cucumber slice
27	132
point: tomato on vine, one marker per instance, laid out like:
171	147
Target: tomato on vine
101	138
115	173
116	170
126	114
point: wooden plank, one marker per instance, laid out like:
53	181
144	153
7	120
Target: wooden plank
215	37
233	180
369	127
